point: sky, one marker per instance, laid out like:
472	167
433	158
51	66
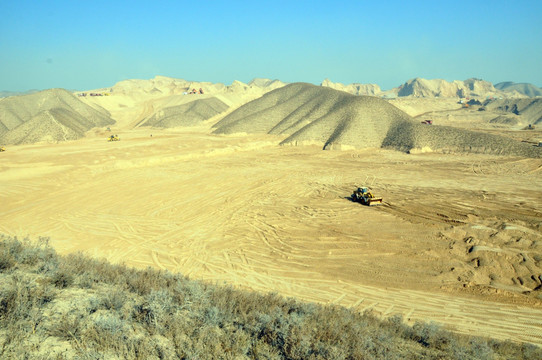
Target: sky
83	45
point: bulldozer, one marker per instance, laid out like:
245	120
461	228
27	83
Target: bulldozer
365	197
113	138
2	148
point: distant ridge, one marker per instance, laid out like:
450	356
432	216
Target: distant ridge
522	88
432	88
419	87
354	88
163	85
51	115
5	93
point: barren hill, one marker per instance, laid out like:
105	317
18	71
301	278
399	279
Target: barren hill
188	114
354	88
163	86
528	111
419	87
51	115
523	88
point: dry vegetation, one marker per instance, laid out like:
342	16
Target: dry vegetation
75	307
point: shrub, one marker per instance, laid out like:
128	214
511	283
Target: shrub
6	260
130	314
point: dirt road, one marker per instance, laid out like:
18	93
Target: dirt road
458	239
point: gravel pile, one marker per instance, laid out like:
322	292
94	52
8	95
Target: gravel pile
51	115
190	114
310	114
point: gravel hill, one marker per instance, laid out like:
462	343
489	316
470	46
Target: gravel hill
51	115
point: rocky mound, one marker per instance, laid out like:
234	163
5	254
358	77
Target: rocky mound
314	114
413	137
188	114
523	88
51	115
529	110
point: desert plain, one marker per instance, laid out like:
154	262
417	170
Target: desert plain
457	240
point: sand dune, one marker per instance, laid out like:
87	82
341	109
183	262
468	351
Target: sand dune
50	115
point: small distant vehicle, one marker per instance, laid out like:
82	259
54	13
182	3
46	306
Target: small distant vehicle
427	122
365	197
2	148
113	138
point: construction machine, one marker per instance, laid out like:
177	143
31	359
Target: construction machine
113	138
365	197
2	148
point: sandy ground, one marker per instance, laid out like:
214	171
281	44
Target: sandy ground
458	239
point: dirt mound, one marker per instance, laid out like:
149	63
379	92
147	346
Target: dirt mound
529	110
413	137
51	115
188	114
505	120
315	114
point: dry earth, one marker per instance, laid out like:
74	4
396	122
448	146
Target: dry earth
458	239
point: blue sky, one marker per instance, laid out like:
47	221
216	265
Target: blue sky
86	44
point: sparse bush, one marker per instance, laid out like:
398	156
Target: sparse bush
111	311
68	327
6	261
62	279
430	335
114	299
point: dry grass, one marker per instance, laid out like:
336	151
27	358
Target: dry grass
75	307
